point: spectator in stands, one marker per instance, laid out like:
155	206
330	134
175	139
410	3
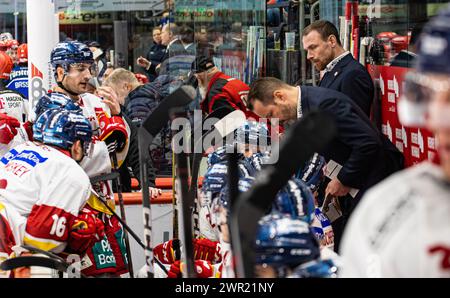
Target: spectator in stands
187	38
100	59
167	16
174	47
154	56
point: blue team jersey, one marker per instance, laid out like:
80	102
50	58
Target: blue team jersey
19	80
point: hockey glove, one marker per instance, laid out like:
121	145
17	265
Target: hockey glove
168	252
175	270
113	130
205	249
85	230
8	127
204	269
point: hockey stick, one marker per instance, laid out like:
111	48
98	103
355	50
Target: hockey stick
309	135
233	188
122	213
221	128
218	114
183	197
104	177
198	152
126	227
150	128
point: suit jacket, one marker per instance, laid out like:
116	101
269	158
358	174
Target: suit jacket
156	53
191	49
352	79
155	56
366	155
173	50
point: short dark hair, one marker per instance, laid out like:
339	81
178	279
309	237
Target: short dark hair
324	28
187	34
172	28
262	90
202	63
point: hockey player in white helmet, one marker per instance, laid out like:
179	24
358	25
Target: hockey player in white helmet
402	226
43	190
74	66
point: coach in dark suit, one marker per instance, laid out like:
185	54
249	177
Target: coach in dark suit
341	72
366	156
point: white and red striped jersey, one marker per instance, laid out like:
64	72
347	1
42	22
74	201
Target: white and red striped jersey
47	189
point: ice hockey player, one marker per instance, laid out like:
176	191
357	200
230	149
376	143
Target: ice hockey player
408	235
19	74
286	247
14	127
295	201
74	66
43	190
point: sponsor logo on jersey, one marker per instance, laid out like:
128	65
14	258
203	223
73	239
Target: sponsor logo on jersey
19	82
28	156
19	72
103	254
11	101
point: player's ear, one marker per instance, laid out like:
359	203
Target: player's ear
59	73
77	150
279	95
